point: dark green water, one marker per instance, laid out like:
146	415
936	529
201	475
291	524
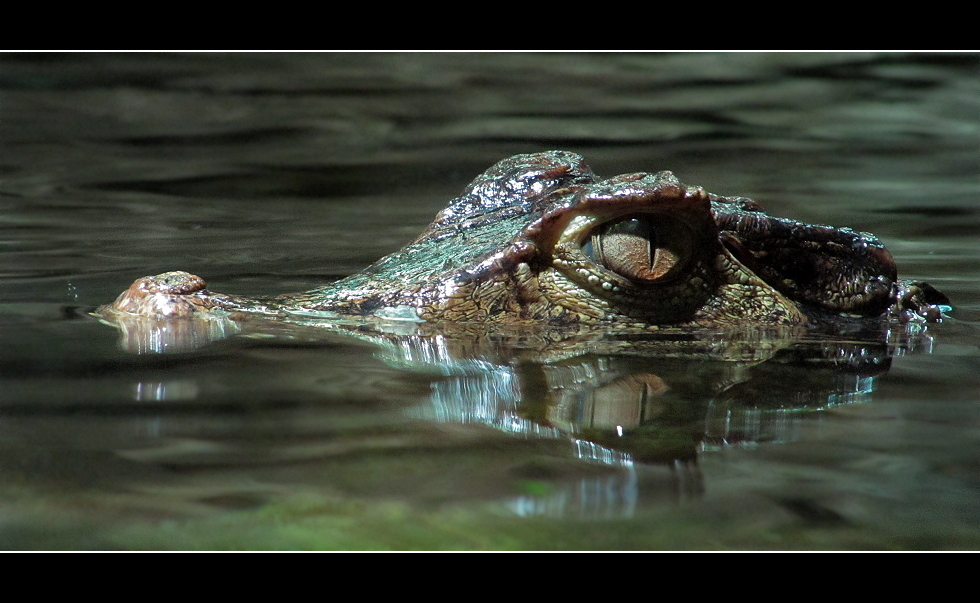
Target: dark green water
274	173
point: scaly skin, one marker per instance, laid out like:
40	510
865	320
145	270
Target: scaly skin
538	238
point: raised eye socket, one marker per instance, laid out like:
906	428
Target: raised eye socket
643	248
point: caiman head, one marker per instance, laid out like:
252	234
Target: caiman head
538	238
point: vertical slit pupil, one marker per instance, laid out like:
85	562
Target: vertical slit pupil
644	248
627	247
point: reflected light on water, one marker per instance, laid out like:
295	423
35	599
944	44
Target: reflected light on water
490	398
862	391
612	497
145	335
750	427
169	391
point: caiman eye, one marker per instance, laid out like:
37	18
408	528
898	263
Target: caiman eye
640	247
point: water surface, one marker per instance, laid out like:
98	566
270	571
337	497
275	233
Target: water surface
275	173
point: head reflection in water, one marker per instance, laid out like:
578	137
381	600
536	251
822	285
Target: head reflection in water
645	408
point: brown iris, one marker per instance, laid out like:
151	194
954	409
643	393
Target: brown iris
643	247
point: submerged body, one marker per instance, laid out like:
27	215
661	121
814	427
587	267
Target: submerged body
539	238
